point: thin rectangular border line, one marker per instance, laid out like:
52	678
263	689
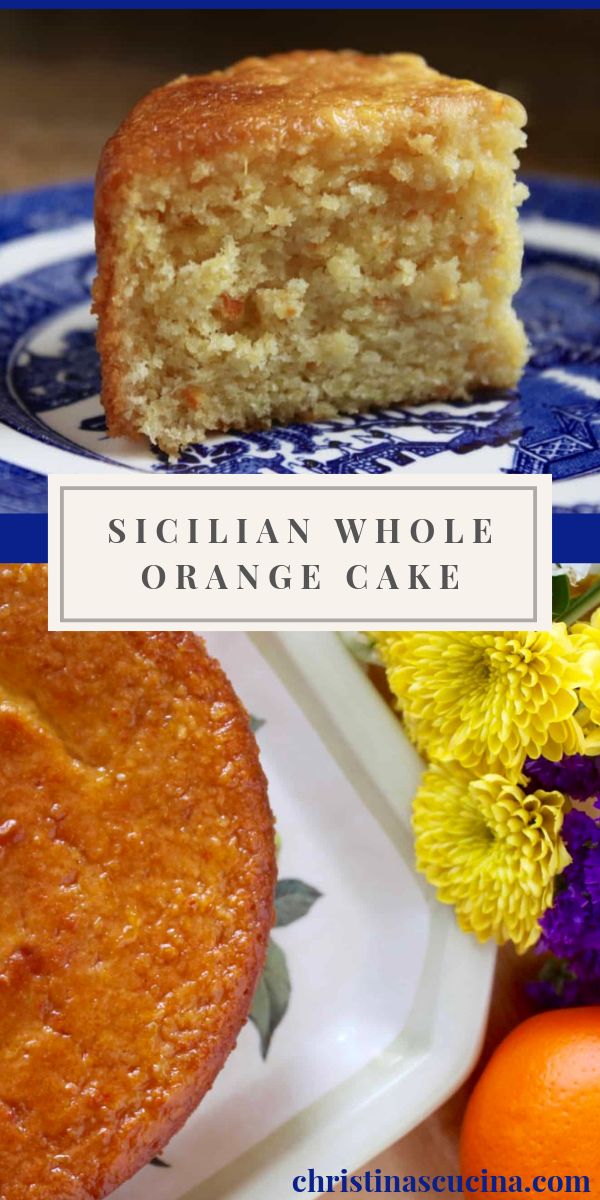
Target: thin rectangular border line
410	487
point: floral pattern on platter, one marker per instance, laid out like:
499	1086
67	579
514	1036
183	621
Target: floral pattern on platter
49	381
293	900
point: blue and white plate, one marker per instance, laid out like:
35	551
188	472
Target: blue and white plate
51	419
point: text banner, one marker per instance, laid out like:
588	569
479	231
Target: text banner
299	552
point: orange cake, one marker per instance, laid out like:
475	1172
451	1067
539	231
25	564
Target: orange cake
305	235
137	873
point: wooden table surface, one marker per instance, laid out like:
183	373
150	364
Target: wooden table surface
67	78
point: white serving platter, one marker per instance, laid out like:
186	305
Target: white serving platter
388	998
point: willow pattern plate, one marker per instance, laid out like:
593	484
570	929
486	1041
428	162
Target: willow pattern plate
51	419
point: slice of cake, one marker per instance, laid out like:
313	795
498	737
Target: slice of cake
137	871
305	235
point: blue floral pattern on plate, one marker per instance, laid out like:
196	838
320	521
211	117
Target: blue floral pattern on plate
49	373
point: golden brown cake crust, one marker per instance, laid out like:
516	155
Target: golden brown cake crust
285	99
288	102
137	860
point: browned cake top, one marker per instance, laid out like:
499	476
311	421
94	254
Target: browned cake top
288	100
136	892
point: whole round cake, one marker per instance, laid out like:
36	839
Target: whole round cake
136	892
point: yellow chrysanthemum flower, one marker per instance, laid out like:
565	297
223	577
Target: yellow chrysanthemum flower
590	731
487	700
490	849
591	744
586	639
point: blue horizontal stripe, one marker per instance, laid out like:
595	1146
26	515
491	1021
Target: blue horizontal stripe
575	537
23	537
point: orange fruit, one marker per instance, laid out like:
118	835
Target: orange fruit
535	1111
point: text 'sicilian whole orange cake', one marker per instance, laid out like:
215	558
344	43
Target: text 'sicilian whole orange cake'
136	892
305	235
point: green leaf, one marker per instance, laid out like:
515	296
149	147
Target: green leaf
583	604
256	723
293	899
272	996
557	973
561	594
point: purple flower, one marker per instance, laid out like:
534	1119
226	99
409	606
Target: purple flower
577	775
571	928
